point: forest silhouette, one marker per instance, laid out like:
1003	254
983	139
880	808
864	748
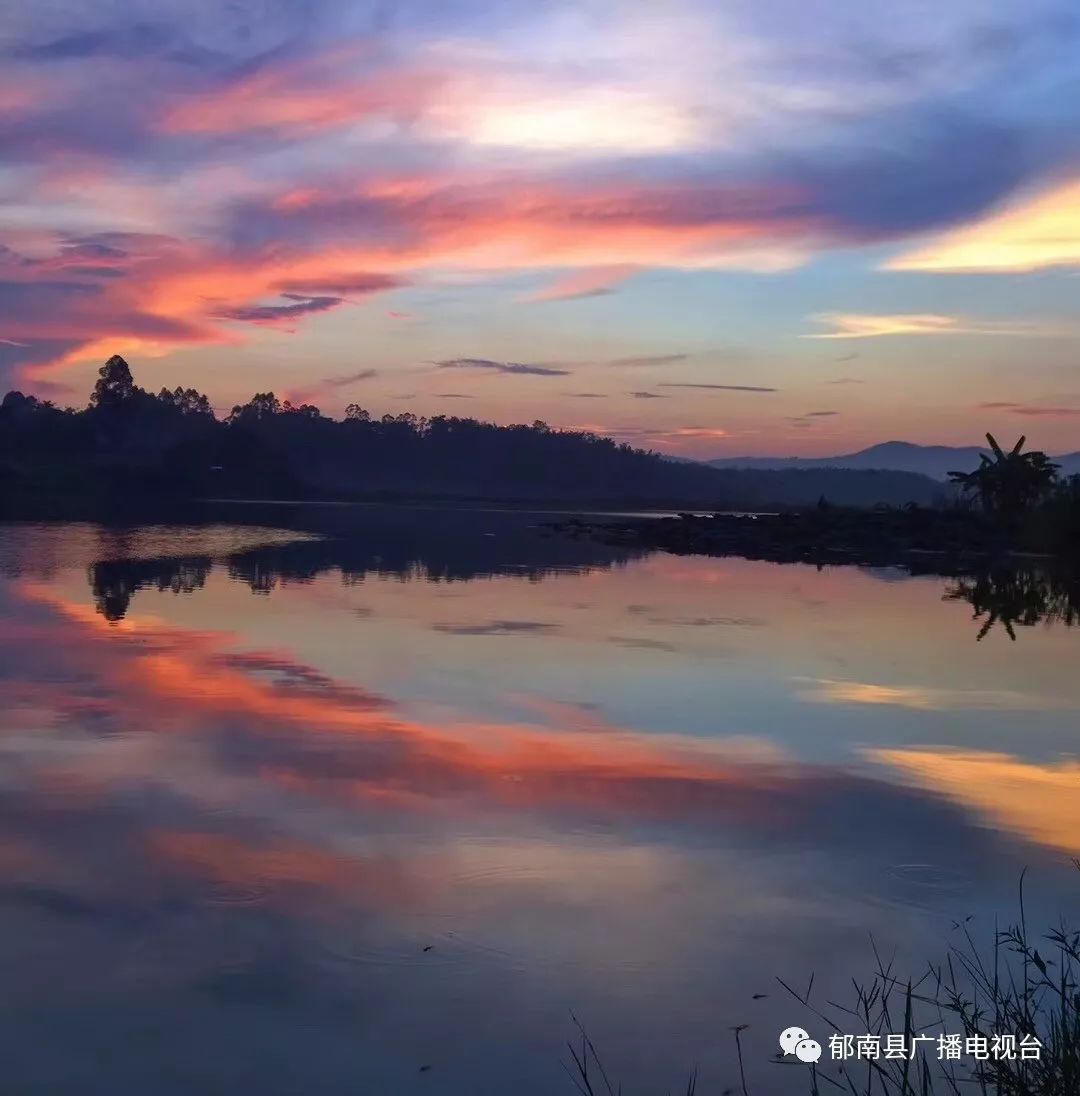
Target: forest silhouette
129	443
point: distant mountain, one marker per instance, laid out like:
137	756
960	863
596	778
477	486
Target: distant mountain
935	461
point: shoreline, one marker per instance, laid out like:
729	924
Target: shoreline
947	542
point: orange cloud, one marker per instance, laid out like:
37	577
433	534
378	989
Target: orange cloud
172	294
927	698
1039	802
347	241
688	432
282	866
602	769
1034	233
228	860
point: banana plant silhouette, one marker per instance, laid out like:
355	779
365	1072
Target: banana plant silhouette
1008	484
1019	598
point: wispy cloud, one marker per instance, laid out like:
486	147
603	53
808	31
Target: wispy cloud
673	435
650	359
497	628
301	97
810	418
642	643
280	313
1035	412
928	698
343	285
578	285
330	384
586	395
688	432
351	378
647	396
519	368
718	387
858	325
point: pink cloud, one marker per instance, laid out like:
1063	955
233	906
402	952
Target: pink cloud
14	99
320	247
303	97
490	222
129	292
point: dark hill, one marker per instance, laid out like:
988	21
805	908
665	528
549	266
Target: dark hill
129	443
935	461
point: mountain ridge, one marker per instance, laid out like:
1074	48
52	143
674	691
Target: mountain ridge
935	461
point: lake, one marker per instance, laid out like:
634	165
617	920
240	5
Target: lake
313	801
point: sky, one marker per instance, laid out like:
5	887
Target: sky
707	228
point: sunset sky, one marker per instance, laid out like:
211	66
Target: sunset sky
711	228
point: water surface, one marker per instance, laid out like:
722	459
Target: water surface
369	804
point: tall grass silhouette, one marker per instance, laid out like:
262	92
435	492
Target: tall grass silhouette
1019	984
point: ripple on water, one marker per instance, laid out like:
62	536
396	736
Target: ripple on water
249	893
935	877
924	887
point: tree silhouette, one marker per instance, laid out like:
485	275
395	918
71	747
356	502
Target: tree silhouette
131	443
188	401
262	405
1011	483
115	385
1019	597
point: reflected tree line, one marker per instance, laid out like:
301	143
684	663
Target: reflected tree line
462	558
1009	598
115	582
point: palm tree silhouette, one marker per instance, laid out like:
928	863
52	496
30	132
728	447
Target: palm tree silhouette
1021	597
1010	483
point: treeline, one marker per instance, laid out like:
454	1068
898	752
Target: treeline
129	442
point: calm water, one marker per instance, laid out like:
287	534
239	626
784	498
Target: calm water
292	807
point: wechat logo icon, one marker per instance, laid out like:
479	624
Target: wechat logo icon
794	1040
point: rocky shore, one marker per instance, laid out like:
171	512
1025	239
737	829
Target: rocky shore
946	541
